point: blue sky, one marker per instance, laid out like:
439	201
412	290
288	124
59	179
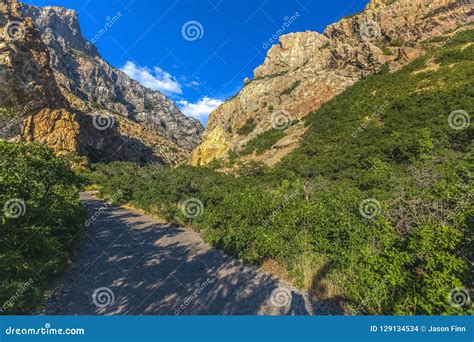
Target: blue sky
196	51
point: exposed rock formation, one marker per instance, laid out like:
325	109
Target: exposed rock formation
28	89
307	69
56	89
89	82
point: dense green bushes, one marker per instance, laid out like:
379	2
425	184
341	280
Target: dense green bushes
375	207
263	141
40	219
408	266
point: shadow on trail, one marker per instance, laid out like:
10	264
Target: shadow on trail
148	268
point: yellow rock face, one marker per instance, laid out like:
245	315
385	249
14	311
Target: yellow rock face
307	69
57	129
214	146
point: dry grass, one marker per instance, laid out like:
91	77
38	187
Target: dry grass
274	267
130	207
315	270
465	46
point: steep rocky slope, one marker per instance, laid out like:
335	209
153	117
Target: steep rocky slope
28	90
307	69
89	82
55	88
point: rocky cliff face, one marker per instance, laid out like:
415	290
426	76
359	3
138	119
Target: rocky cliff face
307	69
28	88
91	83
52	78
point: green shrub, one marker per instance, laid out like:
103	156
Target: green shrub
397	42
431	271
385	50
8	112
263	141
290	89
325	46
248	127
385	141
39	231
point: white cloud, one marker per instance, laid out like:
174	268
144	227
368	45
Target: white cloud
194	84
201	109
156	79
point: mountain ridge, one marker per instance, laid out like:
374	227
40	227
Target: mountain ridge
306	69
116	92
145	126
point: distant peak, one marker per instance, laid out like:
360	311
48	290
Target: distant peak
60	9
376	4
10	7
6	2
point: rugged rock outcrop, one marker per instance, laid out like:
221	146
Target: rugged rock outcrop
28	89
56	89
307	69
90	83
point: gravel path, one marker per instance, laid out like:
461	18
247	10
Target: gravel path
130	264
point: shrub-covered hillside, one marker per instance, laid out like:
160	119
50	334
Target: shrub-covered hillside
41	217
373	210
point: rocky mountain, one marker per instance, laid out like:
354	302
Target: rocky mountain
112	116
307	69
32	106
